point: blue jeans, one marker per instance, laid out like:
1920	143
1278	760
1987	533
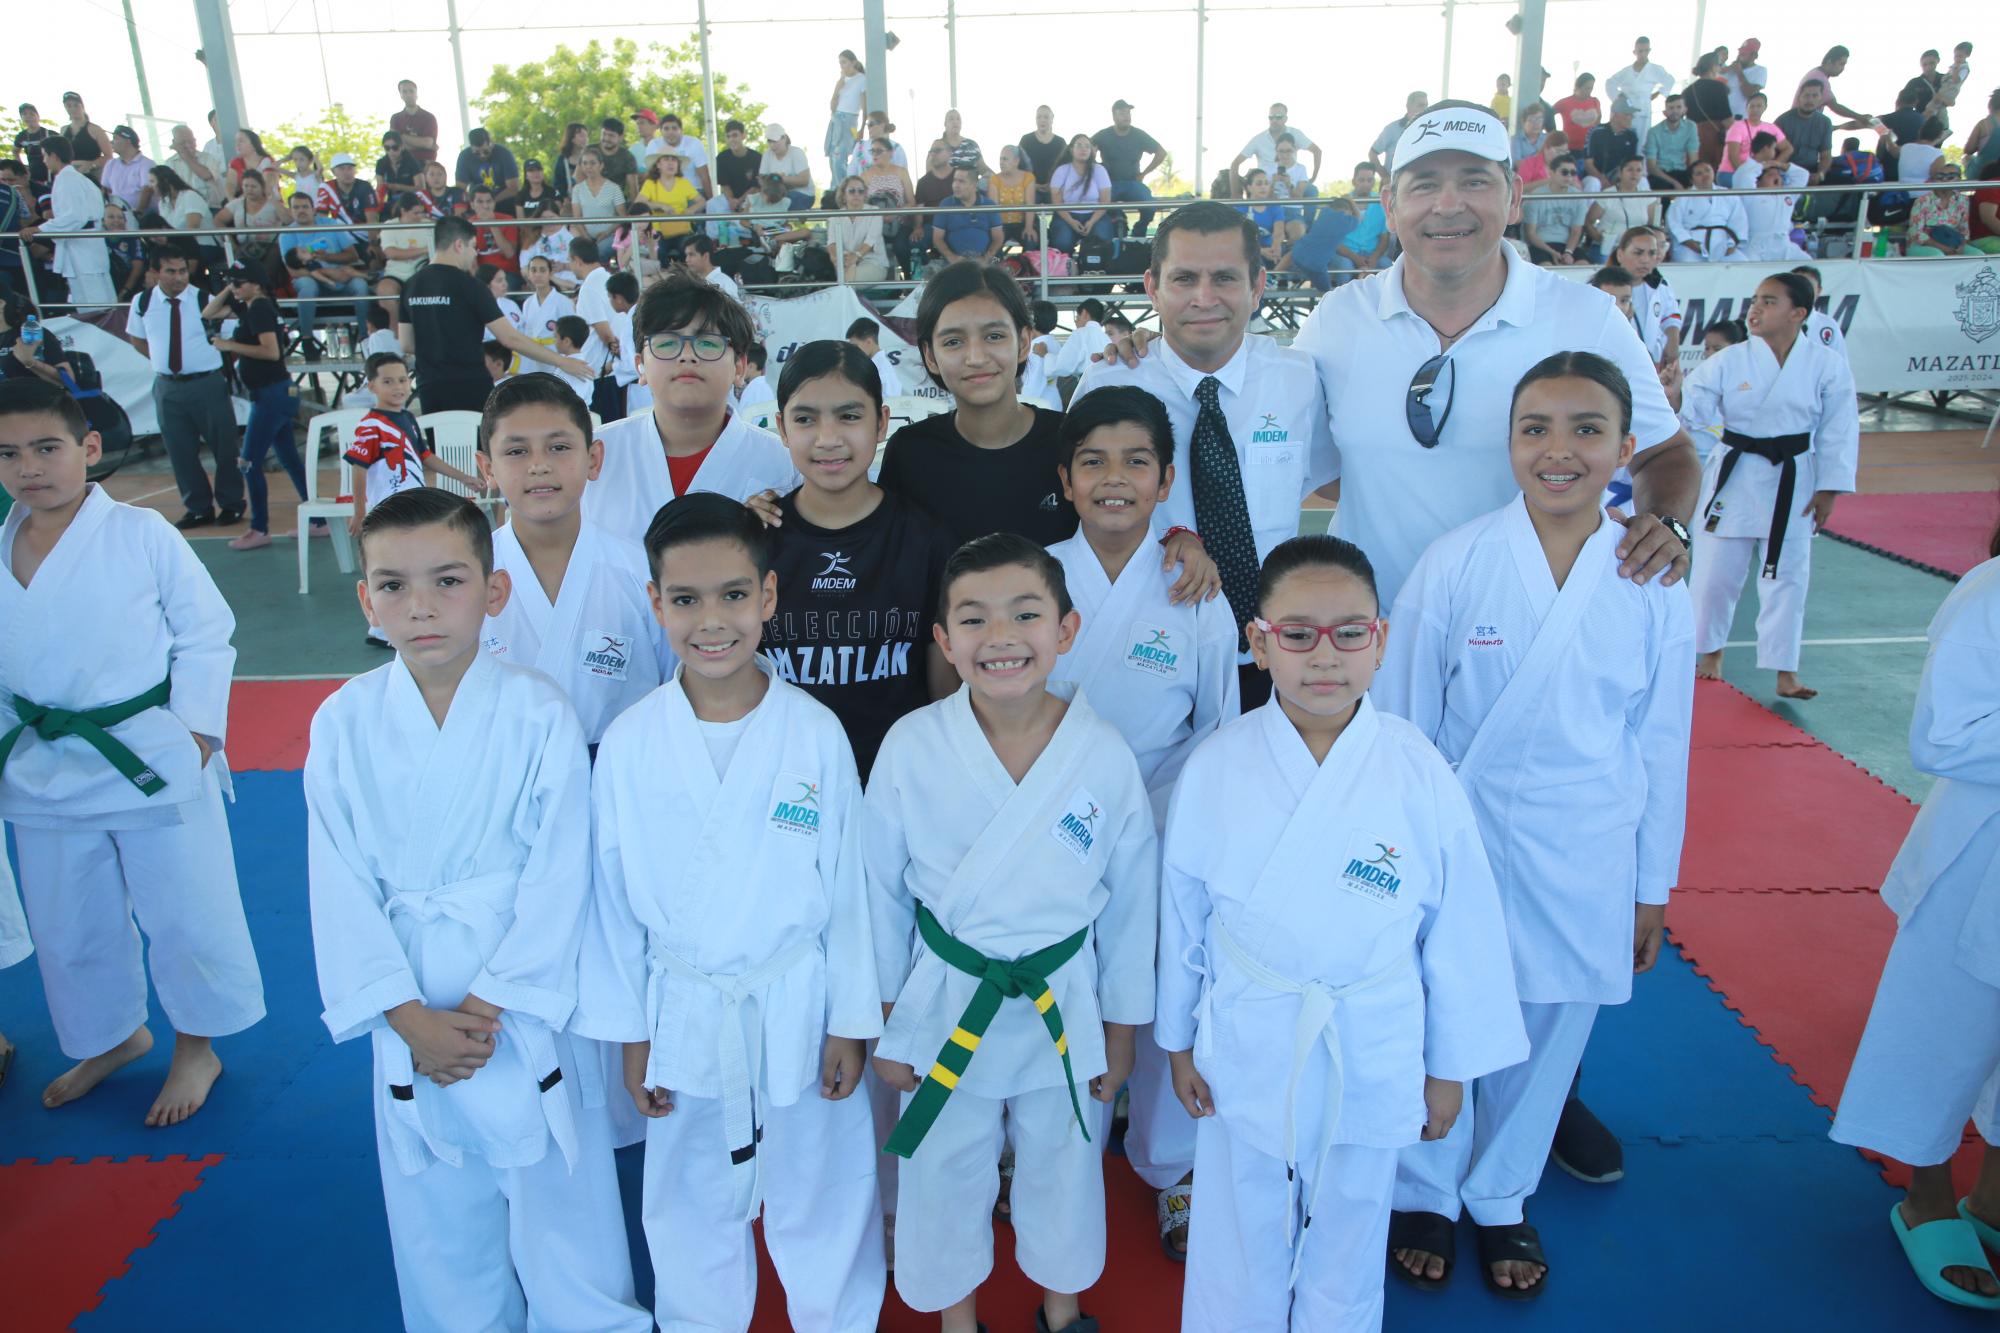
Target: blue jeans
310	289
1125	192
1062	236
273	410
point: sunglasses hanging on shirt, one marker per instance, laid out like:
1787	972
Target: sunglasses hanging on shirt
1426	420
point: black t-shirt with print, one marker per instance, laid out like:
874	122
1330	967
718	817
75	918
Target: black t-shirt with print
855	607
449	310
974	491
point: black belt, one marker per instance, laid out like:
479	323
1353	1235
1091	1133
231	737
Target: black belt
1780	450
192	375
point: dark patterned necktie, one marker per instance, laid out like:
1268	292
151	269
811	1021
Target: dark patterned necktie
1221	514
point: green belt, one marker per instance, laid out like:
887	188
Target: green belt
999	980
55	723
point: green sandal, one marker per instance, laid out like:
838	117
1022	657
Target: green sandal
1989	1236
1936	1246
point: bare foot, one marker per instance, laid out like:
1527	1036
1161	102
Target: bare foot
1789	687
189	1077
1421	1263
1932	1199
87	1074
1518	1274
1708	666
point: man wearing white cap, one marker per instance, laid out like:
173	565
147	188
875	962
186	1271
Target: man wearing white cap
784	158
352	199
1419	365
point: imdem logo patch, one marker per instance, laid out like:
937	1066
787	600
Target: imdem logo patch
1076	829
795	806
1152	651
606	654
1372	871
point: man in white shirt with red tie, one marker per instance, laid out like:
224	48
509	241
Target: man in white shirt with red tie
189	393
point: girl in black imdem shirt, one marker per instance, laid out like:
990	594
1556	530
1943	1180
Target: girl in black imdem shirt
859	570
990	464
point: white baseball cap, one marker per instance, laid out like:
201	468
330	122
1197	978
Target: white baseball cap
775	132
342	160
1454	127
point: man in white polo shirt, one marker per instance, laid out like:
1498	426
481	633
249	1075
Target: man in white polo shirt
188	393
1263	147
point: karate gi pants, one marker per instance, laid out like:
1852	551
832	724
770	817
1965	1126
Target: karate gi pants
885	1104
945	1194
1930	1055
485	1247
1720	566
1160	1140
1239	1248
88	289
822	1221
15	943
1492	1159
82	889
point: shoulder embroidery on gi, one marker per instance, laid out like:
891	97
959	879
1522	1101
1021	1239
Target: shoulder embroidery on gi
1485	636
1372	869
606	654
494	644
1153	650
795	806
1076	829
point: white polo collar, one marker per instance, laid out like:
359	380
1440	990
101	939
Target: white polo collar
1187	379
1517	296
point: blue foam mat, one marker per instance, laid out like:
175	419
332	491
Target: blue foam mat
1754	1220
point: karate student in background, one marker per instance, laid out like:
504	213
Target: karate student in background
731	888
543	305
1656	311
1563	695
1038	385
859	569
1007	830
1930	1057
1164	675
448	862
573	339
1791	443
692	341
106	612
622	292
1333	966
390	452
866	335
1820	326
754	390
578	610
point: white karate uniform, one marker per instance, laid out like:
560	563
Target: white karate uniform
453	860
1037	380
1008	869
76	204
1656	311
1566	713
634	483
1329	935
1166	678
538	319
736	909
1930	1056
1073	357
599	641
15	942
119	605
1742	389
1695	223
1770	217
1824	329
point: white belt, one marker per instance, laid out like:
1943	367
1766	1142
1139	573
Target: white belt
1318	1022
477	904
739	1055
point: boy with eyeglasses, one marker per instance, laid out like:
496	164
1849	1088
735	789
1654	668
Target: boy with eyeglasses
692	341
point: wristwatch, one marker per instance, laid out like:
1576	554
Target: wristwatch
1673	525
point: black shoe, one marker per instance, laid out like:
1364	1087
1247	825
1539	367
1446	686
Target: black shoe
228	516
374	642
1585	1148
193	520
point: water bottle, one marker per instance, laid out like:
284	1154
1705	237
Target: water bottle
31	331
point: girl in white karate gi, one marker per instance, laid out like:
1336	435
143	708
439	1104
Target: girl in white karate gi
1791	440
1563	696
1656	311
1333	964
1930	1057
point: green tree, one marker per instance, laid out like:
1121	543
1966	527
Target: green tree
526	106
334	131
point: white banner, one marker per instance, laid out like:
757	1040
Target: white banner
128	376
784	324
1911	324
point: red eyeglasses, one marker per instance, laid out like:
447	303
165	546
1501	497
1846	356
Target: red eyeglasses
1349	637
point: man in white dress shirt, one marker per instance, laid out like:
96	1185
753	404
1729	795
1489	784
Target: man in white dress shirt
189	393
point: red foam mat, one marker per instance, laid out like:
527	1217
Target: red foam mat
269	721
1942	529
1788	817
1725	716
68	1227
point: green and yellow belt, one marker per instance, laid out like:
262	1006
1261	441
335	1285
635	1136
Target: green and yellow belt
999	979
92	725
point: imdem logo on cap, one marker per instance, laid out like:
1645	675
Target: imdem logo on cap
1467	129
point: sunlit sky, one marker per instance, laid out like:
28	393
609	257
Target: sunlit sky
1343	69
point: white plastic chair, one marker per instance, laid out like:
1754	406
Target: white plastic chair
335	509
455	437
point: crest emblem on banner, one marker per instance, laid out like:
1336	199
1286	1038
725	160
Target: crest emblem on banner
1978	309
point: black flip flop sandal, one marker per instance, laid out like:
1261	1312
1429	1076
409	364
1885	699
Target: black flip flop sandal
1433	1233
1084	1324
1516	1243
7	1063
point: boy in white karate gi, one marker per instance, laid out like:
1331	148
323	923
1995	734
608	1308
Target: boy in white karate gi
1164	675
692	341
1014	877
1930	1057
1563	695
1333	967
114	697
1790	430
448	844
731	890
